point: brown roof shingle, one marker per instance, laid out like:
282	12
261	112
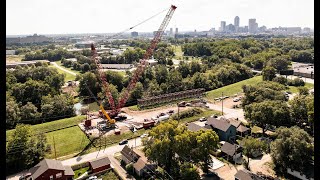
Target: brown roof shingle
228	148
100	162
44	165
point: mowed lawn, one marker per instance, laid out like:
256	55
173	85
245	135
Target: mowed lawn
232	89
53	125
66	141
294	89
14	58
69	77
70	69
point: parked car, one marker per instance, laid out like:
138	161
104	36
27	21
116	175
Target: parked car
188	104
182	104
170	111
25	176
92	178
202	119
214	116
144	135
123	142
236	99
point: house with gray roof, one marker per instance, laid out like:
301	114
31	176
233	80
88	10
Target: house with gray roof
225	130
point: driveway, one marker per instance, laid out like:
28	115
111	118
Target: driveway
216	163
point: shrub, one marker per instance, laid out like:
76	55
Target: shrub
280	80
129	168
296	82
188	113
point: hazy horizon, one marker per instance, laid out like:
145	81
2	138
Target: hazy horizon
107	16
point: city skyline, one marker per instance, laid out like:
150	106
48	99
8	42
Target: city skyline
29	17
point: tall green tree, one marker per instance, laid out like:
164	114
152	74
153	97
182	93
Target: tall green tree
251	146
29	113
24	149
268	112
268	73
293	148
12	114
188	172
89	80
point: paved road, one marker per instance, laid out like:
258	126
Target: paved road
63	69
308	80
103	152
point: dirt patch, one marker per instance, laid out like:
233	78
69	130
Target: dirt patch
228	103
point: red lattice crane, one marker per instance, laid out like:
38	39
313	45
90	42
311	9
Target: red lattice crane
140	69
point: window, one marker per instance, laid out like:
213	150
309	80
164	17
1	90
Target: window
51	177
59	175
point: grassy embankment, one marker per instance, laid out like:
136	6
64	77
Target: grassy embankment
232	89
67	140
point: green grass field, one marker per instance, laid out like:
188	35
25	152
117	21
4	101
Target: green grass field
14	58
70	69
53	125
69	77
80	172
109	175
294	89
178	52
66	141
232	88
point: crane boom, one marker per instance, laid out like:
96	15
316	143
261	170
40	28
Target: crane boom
147	55
102	77
115	110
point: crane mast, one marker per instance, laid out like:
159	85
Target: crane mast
147	55
140	69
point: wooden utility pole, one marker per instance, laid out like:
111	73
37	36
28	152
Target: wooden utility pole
178	111
222	102
54	147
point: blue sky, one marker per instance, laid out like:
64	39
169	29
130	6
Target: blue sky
103	16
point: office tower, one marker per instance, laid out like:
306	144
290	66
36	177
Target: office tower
236	21
230	28
134	34
223	26
171	31
176	30
252	26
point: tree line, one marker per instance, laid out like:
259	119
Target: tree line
33	95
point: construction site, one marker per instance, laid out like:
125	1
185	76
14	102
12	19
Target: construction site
112	121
